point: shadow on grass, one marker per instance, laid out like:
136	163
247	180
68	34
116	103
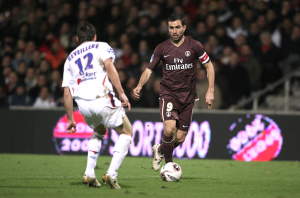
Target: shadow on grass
199	178
26	187
102	185
76	184
125	179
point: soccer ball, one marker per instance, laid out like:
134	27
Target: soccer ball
171	172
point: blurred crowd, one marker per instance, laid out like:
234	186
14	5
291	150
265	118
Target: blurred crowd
251	43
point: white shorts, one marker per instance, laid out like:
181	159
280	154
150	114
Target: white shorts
106	110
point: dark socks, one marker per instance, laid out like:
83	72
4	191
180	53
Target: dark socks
167	147
176	144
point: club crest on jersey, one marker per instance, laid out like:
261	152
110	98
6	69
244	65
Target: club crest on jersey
151	58
168	114
187	53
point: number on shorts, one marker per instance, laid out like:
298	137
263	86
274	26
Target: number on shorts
169	106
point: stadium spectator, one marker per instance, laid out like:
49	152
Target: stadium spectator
223	12
252	65
237	77
133	34
293	51
21	71
20	98
269	56
30	79
222	83
236	28
6	61
211	23
55	85
6	72
18	58
127	50
11	86
202	12
144	52
45	69
36	59
222	37
253	37
201	33
65	34
56	55
202	86
134	67
216	47
41	82
155	14
44	100
30	48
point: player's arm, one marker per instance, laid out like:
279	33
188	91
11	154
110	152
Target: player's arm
115	80
144	78
211	81
68	103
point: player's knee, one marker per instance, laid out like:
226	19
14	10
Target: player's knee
169	131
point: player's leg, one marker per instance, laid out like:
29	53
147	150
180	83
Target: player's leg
184	122
169	115
94	121
167	141
94	147
120	151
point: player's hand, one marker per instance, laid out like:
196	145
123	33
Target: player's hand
209	97
71	127
125	101
137	91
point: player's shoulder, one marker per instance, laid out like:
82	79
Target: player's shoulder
163	45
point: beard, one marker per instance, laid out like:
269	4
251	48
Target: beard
179	39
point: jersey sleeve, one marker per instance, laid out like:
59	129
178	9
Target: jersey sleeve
67	76
107	53
155	58
201	54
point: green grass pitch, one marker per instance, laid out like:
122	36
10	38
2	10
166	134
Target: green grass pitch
61	176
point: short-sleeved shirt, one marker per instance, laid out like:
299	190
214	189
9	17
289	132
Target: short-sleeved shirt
179	68
85	73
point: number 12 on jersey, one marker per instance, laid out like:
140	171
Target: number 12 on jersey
88	65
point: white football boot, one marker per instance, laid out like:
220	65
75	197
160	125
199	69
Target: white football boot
112	181
156	158
90	181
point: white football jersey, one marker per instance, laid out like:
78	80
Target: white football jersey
85	73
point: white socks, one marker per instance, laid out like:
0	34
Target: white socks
120	151
93	153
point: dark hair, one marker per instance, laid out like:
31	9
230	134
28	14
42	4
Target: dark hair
175	17
85	32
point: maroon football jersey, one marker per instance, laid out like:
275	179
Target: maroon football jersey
180	68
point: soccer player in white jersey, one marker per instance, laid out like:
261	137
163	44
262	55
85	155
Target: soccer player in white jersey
89	74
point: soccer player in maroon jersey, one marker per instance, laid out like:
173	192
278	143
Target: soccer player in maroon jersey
179	55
